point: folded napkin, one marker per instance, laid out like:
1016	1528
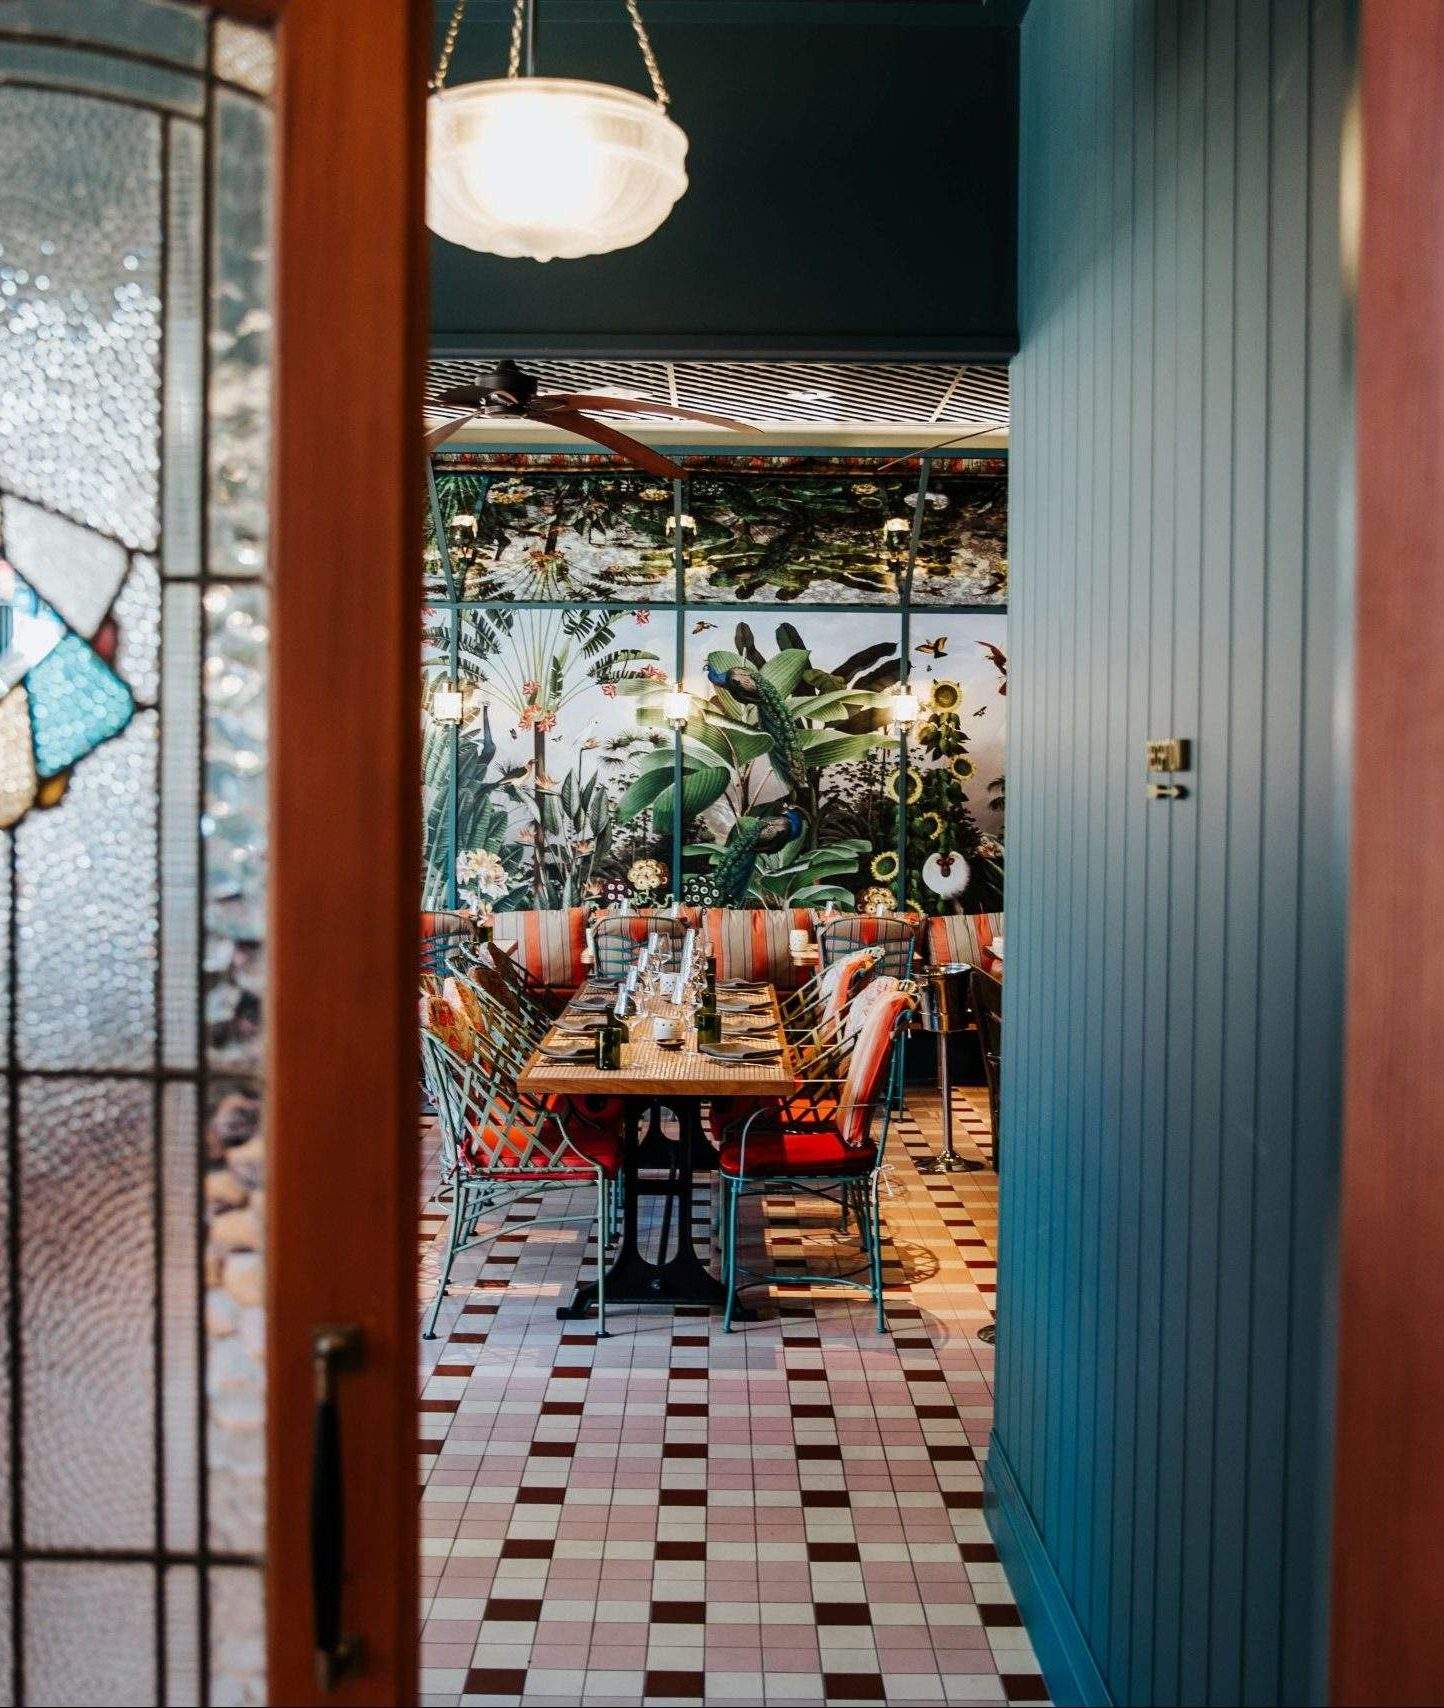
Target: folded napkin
739	1053
569	1052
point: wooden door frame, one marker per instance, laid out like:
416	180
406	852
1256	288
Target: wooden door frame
1388	1592
345	802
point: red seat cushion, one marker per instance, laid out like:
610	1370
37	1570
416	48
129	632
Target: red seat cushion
817	1149
726	1114
604	1149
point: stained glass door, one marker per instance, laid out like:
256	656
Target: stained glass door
147	234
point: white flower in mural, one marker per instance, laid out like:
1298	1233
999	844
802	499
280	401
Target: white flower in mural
481	874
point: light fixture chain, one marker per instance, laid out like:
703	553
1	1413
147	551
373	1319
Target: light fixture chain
518	26
448	46
649	58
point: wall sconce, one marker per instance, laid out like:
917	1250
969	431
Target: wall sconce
464	541
677	707
457	702
688	528
448	702
896	535
904	708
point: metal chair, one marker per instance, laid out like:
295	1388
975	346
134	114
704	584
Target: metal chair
821	1142
985	993
501	1146
896	937
618	938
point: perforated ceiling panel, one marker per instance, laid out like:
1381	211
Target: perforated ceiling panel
825	394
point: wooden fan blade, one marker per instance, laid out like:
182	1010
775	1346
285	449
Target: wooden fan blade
634	406
632	449
438	432
470	396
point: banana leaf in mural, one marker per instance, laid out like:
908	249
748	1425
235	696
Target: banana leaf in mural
792	538
583	536
795	537
754	758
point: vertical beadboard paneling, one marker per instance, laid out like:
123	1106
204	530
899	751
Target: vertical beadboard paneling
1172	1032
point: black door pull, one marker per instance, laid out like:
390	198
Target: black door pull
332	1348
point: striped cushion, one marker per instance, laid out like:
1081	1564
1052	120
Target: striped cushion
886	1002
841	983
964	937
440	924
752	942
549	942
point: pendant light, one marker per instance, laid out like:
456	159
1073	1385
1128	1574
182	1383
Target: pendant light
548	166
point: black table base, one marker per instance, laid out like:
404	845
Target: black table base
682	1278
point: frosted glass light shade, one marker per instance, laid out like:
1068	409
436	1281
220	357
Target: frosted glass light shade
548	166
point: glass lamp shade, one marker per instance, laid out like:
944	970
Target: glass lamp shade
448	704
904	708
548	166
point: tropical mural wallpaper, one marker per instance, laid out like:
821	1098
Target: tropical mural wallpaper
564	612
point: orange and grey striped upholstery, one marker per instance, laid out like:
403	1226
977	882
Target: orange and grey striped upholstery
840	984
549	943
752	942
964	937
618	938
440	933
894	933
886	1000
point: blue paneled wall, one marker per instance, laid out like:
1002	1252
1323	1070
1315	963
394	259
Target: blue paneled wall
1162	1448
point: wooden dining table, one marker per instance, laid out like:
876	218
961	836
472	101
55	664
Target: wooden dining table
681	1079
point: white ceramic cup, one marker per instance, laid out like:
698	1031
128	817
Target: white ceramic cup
666	1030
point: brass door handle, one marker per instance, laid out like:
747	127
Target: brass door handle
332	1347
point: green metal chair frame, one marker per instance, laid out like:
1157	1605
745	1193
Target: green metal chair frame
474	1100
851	1191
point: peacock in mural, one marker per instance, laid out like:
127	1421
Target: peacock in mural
751	687
753	835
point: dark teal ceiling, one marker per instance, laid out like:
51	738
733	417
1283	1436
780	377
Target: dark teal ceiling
852	165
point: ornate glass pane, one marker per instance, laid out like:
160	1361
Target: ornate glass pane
240	338
80	286
80	1635
132	869
87	1301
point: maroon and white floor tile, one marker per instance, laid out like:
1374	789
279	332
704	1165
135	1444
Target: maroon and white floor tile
790	1514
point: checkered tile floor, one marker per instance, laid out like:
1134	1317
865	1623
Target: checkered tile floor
787	1514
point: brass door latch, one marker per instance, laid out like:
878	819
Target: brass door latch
1170	754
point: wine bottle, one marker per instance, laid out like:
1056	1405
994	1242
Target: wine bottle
705	1017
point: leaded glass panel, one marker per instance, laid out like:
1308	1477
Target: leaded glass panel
134	448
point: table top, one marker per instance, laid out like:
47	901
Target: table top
647	1070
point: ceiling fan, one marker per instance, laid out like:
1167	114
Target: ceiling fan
506	392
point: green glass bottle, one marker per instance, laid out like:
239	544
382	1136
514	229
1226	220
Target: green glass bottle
613	1035
706	1019
610	1037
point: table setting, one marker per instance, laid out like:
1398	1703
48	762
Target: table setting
679	1040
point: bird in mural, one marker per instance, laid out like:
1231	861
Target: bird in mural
751	688
701	626
938	648
999	660
751	836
